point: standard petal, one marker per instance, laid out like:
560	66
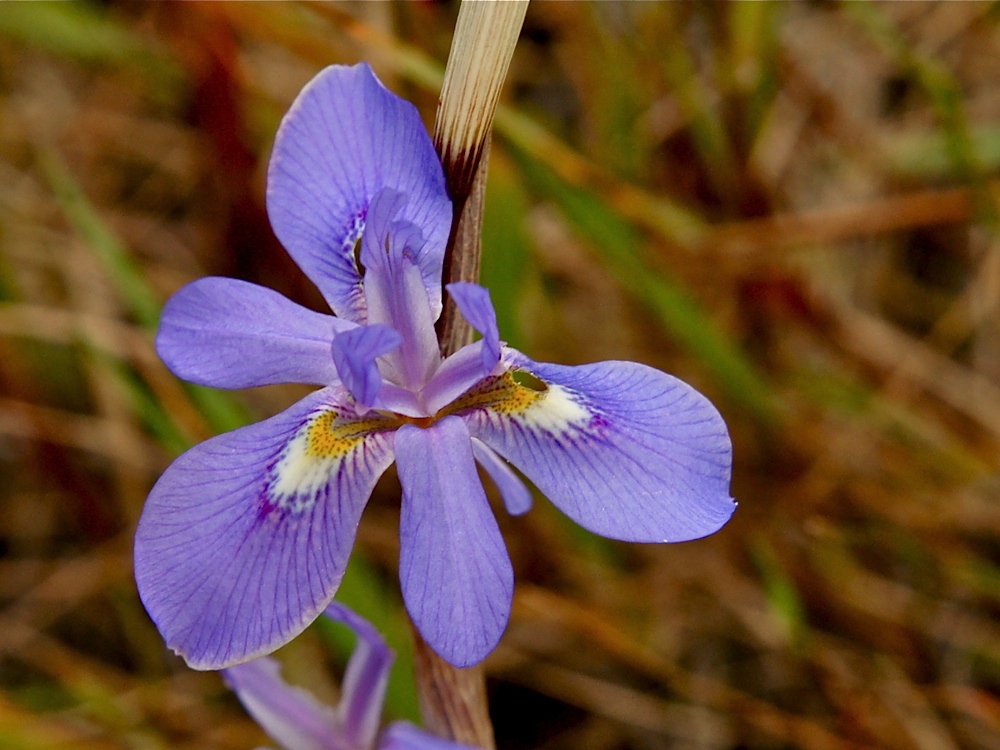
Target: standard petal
474	303
457	374
245	537
354	354
393	398
345	138
624	450
454	569
290	715
227	333
365	679
396	293
516	497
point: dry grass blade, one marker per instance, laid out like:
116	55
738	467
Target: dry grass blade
830	225
484	39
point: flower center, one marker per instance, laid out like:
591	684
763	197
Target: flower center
331	434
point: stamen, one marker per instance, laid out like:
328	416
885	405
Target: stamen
501	393
328	435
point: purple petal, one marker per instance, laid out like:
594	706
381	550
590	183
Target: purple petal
244	539
227	333
457	374
365	679
624	450
396	294
296	719
474	303
402	735
453	566
290	715
345	138
516	497
400	400
354	354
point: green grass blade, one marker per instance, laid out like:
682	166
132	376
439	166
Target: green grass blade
222	410
84	32
506	247
780	589
934	78
139	298
77	30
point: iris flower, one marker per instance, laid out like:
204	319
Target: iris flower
244	539
297	721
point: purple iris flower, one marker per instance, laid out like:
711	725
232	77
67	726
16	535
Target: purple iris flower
245	537
297	721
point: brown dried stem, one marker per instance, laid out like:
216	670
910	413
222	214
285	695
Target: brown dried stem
453	701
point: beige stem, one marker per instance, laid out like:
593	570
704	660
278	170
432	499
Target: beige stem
452	700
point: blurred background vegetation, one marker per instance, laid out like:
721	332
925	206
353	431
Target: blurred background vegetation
792	206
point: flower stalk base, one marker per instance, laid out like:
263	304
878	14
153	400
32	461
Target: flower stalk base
452	701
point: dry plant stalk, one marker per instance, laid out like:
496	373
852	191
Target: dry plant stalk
485	34
481	49
453	701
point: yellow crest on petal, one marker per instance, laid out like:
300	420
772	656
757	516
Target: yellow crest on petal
316	452
520	395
